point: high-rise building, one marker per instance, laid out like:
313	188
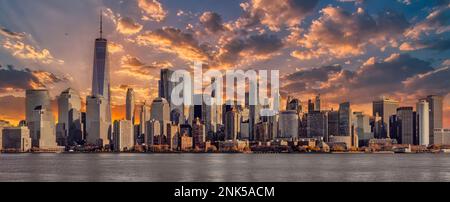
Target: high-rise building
262	132
317	103
294	104
442	136
173	134
165	85
345	119
423	114
362	128
232	124
198	133
123	137
16	138
36	98
69	127
245	130
101	77
288	125
333	123
145	116
405	125
311	107
436	114
153	132
210	114
317	125
384	108
254	107
98	114
42	129
98	125
130	105
160	111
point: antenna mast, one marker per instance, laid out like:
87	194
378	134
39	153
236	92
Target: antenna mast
101	23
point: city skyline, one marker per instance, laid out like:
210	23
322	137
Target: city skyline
400	64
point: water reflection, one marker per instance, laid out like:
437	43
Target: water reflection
224	167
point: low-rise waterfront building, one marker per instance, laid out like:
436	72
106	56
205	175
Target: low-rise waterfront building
16	139
441	136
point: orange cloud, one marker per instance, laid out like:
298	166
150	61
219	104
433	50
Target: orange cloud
25	51
152	10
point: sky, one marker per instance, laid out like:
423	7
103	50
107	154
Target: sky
345	50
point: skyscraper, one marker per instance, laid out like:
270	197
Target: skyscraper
362	128
294	104
317	125
333	123
288	124
345	119
406	125
165	85
317	103
40	119
42	129
69	128
436	114
310	106
98	115
35	98
198	133
101	76
130	105
145	116
232	124
123	135
384	108
424	122
98	126
160	111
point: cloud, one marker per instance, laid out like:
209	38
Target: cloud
276	15
436	44
437	22
13	79
341	34
152	10
433	82
212	22
400	76
124	25
134	67
115	47
10	34
173	40
253	47
128	26
22	50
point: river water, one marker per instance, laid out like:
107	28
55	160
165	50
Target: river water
224	167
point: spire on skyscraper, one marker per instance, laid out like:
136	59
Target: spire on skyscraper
101	23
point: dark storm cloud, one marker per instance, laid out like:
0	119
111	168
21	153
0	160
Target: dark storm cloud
212	22
249	47
13	78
